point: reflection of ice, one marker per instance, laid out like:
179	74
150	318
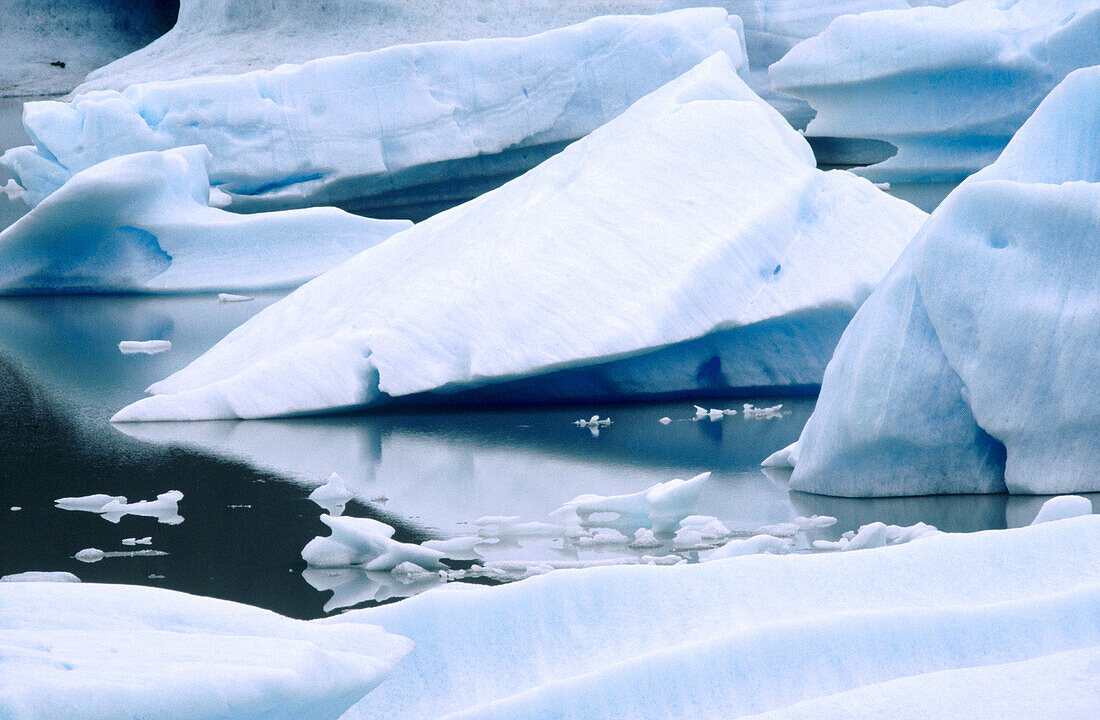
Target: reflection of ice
113	508
333	496
366	542
660	507
92	555
352	586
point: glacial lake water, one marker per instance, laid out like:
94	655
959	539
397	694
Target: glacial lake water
429	474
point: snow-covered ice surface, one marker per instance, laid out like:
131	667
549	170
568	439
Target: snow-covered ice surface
732	261
758	634
947	86
377	130
969	369
1062	507
92	651
142	222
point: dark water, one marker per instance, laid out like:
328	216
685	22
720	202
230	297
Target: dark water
429	474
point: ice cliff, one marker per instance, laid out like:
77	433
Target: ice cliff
947	86
715	239
142	222
970	368
104	652
407	124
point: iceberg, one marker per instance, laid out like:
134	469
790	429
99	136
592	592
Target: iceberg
971	368
690	245
380	130
142	223
947	86
756	634
100	652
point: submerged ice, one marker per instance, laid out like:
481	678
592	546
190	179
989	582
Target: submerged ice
743	276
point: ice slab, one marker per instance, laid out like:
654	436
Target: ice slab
142	223
1063	506
700	211
366	542
970	368
102	652
747	635
37	576
380	129
947	86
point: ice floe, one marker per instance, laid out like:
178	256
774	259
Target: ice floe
144	347
38	576
333	496
743	277
101	652
622	642
385	128
231	298
142	222
659	508
368	543
1062	507
947	86
966	370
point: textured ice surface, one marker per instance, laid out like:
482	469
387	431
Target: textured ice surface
365	542
1063	506
142	222
754	634
333	496
362	128
698	215
972	367
87	651
37	576
659	508
947	86
144	347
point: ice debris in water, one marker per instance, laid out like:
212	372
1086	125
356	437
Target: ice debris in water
768	413
231	298
87	503
37	576
148	540
878	534
333	496
1062	507
90	555
145	347
783	529
165	508
699	531
751	546
594	424
458	548
510	527
366	542
713	413
814	522
665	420
660	507
644	539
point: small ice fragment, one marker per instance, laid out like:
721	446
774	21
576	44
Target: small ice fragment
1063	507
165	508
814	522
459	548
90	555
15	508
700	412
665	420
88	503
34	576
231	298
366	542
784	458
882	185
147	347
785	529
154	576
603	536
755	413
593	422
333	496
138	541
751	546
645	539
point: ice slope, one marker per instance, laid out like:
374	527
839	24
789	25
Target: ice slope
698	210
87	651
947	86
219	37
755	634
363	129
50	45
973	365
142	222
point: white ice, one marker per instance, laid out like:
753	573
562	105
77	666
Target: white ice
102	652
758	259
1062	507
142	222
333	496
659	508
368	543
144	347
165	508
38	576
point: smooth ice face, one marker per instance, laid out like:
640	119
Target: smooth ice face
363	129
947	86
700	212
88	651
747	635
971	368
142	223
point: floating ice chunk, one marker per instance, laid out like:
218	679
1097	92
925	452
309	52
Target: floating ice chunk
105	651
366	542
333	496
814	522
699	530
784	458
377	129
148	540
35	576
712	414
645	539
768	413
90	555
751	546
742	254
141	222
947	86
1062	507
459	548
231	298
15	508
876	535
784	529
144	347
165	508
600	537
88	503
661	507
665	420
511	527
594	424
